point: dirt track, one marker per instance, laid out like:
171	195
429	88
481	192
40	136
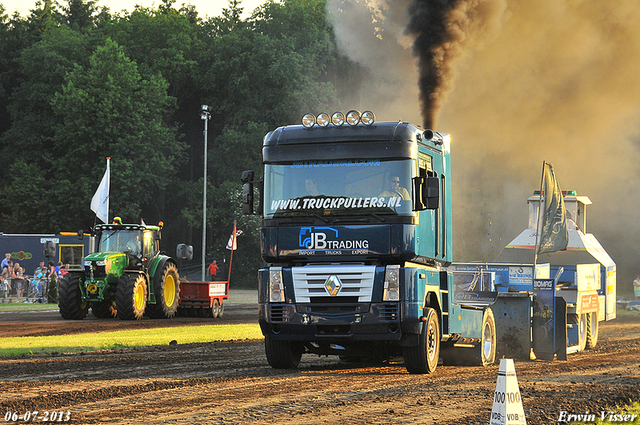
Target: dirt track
230	383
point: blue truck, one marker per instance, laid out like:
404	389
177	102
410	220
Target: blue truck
357	241
29	249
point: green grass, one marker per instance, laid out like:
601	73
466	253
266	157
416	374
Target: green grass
236	296
130	338
18	306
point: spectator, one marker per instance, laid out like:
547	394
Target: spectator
213	270
19	280
4	288
5	260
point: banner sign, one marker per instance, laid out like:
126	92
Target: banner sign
339	202
334	241
544	318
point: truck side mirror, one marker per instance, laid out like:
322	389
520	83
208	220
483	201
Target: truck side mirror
417	190
431	193
247	192
184	252
50	249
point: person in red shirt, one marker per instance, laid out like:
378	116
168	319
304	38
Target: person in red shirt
213	270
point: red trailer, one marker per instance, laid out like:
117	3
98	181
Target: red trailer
206	299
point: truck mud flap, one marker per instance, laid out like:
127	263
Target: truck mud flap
512	312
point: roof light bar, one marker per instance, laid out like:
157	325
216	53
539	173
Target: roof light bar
337	119
353	118
368	118
323	119
309	120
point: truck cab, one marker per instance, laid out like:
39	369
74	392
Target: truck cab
356	227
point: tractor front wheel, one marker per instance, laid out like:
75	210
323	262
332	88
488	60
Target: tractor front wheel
70	298
131	296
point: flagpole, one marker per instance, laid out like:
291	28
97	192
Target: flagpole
535	256
233	244
108	185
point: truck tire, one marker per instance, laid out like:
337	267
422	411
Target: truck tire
487	348
131	296
582	331
592	329
167	292
104	309
70	298
282	354
215	309
221	310
423	358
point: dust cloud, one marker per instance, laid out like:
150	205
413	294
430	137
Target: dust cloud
516	83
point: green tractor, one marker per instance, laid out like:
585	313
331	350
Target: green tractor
127	276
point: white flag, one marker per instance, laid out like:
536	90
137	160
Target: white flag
100	200
233	240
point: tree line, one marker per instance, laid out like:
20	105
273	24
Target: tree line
79	84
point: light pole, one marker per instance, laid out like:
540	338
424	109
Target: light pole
205	115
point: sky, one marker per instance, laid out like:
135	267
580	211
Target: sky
204	7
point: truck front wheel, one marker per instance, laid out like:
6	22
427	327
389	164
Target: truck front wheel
282	354
423	358
167	292
131	297
70	298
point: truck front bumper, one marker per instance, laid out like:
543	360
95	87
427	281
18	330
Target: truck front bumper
336	322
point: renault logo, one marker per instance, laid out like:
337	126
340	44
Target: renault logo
333	285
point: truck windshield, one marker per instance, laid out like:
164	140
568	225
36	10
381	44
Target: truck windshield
128	241
338	188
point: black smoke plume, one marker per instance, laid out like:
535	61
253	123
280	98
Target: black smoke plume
434	48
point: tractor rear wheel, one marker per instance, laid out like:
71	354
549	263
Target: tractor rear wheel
104	309
70	297
167	292
131	296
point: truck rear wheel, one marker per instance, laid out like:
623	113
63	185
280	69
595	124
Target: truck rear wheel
167	292
104	309
582	331
487	347
282	354
131	297
70	298
423	358
592	329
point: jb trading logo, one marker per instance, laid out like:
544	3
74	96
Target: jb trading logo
327	238
316	237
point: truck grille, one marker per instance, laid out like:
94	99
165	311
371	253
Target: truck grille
280	312
353	283
389	312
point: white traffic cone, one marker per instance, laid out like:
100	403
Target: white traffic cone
507	404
